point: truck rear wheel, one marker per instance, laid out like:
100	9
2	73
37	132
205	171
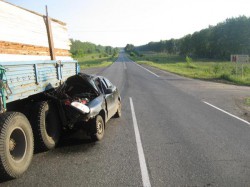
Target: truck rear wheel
16	145
46	126
97	128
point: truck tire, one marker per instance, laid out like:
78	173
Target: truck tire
97	128
16	145
118	113
46	126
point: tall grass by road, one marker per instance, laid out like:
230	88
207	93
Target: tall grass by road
95	60
220	71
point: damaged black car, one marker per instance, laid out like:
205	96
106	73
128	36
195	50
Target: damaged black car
87	102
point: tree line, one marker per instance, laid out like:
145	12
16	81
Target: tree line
219	42
79	49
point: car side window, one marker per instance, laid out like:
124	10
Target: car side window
109	84
99	84
105	86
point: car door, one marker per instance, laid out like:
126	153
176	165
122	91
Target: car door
114	96
109	97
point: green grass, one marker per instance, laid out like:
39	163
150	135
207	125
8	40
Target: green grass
247	101
213	70
95	60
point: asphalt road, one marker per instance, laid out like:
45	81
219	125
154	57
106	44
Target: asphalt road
166	137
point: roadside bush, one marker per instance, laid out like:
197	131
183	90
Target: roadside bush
225	76
189	61
233	71
216	69
132	54
247	101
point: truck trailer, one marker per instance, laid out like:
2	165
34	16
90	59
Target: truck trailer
34	61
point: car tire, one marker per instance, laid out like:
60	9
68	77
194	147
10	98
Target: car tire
97	128
46	126
17	145
118	113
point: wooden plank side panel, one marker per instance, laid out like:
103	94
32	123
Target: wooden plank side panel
60	35
21	26
24	49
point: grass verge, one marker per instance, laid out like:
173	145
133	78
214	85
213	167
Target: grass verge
247	101
95	61
205	69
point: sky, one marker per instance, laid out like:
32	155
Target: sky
119	22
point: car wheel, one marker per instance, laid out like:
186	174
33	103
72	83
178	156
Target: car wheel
97	126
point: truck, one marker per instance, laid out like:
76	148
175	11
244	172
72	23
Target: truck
34	61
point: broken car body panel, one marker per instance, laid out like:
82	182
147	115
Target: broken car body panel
94	92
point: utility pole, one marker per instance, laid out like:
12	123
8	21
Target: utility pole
50	36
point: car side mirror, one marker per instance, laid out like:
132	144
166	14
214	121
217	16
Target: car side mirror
109	91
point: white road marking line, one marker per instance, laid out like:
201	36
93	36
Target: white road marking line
146	69
124	64
227	113
143	165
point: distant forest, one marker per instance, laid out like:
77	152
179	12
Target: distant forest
79	49
219	42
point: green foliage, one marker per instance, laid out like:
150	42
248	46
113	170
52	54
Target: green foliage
80	49
94	60
215	42
216	68
132	54
90	55
189	61
129	48
233	72
247	101
225	76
